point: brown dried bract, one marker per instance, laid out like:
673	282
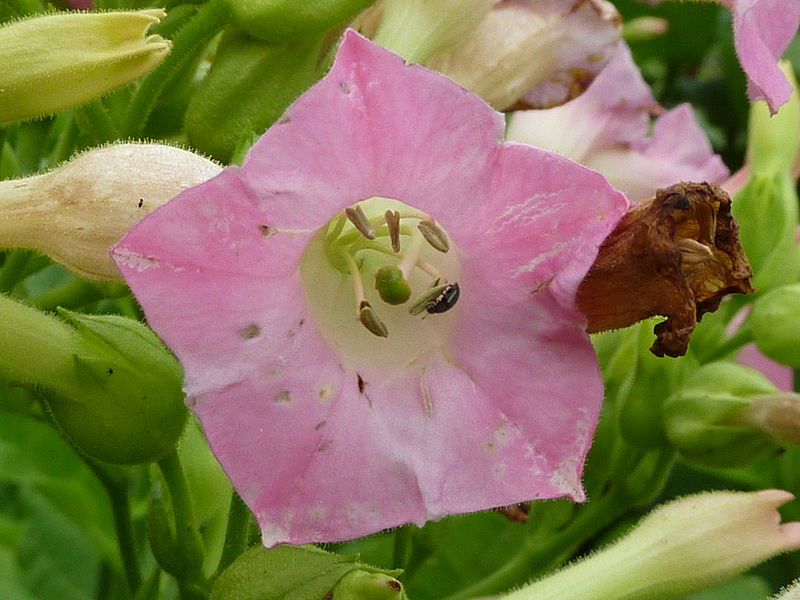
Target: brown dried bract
676	255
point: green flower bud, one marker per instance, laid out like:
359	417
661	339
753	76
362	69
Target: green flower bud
75	213
249	86
282	21
107	381
775	324
58	61
766	208
392	285
705	419
363	585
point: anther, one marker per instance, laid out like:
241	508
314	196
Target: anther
694	252
434	235
369	319
360	221
392	219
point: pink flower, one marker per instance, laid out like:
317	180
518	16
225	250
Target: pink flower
328	431
762	29
608	129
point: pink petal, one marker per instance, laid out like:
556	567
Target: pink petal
762	30
324	446
607	128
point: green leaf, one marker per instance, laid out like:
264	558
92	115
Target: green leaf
288	573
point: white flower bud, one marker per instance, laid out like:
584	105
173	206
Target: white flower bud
75	213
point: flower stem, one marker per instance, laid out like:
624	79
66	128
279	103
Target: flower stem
236	533
537	555
187	43
189	544
116	487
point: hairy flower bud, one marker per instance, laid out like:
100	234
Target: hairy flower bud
682	547
76	212
706	421
57	61
108	382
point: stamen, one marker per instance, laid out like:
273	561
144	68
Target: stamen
421	264
360	221
365	314
694	252
371	321
434	235
392	219
411	257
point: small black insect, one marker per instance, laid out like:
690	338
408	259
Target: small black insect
446	299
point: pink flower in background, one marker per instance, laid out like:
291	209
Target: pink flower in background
608	128
265	291
762	29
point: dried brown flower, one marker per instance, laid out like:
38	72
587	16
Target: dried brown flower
676	255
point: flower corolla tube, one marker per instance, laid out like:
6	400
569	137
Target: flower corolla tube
464	381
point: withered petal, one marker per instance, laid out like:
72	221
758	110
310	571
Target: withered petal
640	271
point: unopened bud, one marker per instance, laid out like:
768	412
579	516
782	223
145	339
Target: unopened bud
58	61
75	213
704	420
360	585
108	381
775	324
682	547
777	415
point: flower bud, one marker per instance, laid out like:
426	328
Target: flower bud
283	21
108	382
392	285
767	206
58	61
359	585
75	213
704	420
775	324
682	547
